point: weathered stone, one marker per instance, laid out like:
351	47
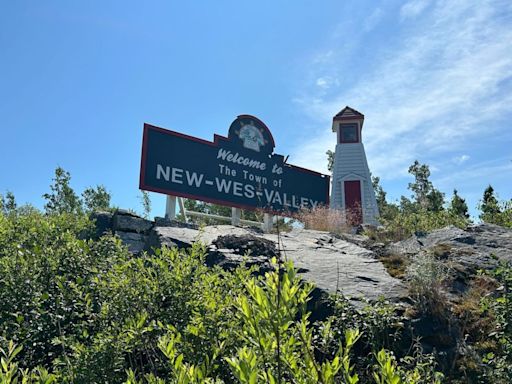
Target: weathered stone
481	246
334	265
465	252
347	263
136	242
130	223
326	260
102	222
247	244
164	222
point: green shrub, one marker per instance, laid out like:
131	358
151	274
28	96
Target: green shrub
498	362
406	223
90	312
426	277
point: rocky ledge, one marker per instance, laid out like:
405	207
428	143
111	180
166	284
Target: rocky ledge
349	264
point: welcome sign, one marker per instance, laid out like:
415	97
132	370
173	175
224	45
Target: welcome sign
240	170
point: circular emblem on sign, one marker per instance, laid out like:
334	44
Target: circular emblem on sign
251	136
248	132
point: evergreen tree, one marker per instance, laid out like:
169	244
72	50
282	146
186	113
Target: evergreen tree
489	204
458	205
435	200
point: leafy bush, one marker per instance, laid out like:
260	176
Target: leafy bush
499	360
426	277
89	312
499	214
404	224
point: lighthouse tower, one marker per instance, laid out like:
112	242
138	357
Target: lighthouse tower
352	188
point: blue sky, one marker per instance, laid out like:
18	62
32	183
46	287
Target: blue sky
79	79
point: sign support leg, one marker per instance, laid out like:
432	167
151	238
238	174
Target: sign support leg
236	215
182	208
267	222
170	208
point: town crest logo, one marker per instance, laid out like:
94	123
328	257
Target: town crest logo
251	136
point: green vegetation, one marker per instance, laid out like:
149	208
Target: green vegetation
426	209
78	310
63	199
75	310
495	212
146	203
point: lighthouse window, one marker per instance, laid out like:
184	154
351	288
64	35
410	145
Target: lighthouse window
349	133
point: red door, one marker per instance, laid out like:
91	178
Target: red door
353	202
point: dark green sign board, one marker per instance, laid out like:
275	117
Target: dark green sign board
240	170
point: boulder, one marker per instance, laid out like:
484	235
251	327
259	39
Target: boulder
129	222
465	252
103	223
136	242
247	245
480	246
331	263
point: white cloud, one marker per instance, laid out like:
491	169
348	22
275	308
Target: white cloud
413	8
460	159
323	57
428	97
479	175
374	19
326	82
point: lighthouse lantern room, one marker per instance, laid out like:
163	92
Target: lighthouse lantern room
352	188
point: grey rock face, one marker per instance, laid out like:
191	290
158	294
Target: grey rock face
103	223
335	264
329	262
136	242
130	223
481	245
464	252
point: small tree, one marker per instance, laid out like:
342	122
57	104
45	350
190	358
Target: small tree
146	203
489	205
7	203
435	200
330	160
63	198
495	212
380	195
96	199
458	205
426	196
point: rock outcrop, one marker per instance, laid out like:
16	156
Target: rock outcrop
479	247
346	263
332	263
132	229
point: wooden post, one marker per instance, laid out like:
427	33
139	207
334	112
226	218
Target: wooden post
267	222
236	215
170	208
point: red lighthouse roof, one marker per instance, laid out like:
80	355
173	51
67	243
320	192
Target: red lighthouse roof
348	113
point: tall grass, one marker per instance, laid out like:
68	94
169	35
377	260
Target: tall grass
323	218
